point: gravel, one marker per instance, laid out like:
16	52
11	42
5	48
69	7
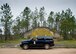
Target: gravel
38	51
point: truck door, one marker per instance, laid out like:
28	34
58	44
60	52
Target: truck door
39	42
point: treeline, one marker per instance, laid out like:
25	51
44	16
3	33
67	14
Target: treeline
63	22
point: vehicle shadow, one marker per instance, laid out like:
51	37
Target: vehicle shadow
36	49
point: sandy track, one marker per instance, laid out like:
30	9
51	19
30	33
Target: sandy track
37	51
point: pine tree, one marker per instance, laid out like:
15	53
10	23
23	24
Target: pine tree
6	19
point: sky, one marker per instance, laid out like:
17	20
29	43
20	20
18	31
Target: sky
17	6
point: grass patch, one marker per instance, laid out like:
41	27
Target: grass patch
16	41
66	43
10	43
42	32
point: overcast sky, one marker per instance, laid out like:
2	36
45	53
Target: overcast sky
17	6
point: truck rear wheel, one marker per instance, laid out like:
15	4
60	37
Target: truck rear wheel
47	46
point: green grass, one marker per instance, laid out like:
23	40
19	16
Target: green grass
66	43
10	43
16	41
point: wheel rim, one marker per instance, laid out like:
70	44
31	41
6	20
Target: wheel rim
25	47
46	46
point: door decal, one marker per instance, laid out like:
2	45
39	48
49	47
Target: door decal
34	42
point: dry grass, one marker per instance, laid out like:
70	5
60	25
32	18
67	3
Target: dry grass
41	32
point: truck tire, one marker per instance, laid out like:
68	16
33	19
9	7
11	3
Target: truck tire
47	46
25	47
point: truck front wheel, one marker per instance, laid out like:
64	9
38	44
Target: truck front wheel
25	47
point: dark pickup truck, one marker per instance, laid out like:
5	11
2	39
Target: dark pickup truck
40	41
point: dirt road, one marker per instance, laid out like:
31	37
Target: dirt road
38	51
